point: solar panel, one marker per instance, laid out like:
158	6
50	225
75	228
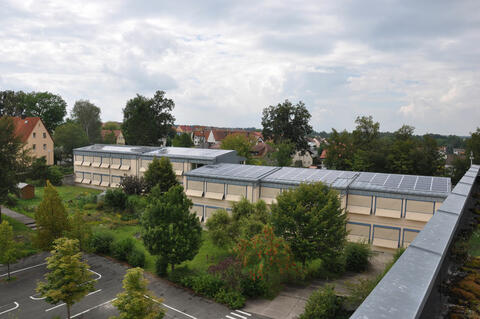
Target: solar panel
424	183
365	177
440	184
408	182
379	179
393	181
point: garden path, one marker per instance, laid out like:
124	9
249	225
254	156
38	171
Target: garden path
27	221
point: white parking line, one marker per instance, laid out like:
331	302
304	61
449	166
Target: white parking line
89	309
37	298
169	307
62	304
239	316
243	312
230	317
19	270
96	273
16	305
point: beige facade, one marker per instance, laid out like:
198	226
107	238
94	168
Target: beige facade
386	218
36	137
103	166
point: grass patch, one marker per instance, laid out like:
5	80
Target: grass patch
68	194
474	243
23	237
208	254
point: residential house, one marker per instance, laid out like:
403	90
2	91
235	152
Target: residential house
119	139
459	151
304	159
200	137
261	150
36	137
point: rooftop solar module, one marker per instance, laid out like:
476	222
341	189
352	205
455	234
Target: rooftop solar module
435	186
234	171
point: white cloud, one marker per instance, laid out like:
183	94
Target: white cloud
223	62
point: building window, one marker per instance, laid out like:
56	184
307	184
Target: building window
34	146
34	135
44	135
44	147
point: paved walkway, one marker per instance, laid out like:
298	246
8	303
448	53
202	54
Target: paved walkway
27	221
290	303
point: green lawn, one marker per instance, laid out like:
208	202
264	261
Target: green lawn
23	237
207	255
67	193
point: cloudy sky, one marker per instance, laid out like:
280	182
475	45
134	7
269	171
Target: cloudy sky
414	62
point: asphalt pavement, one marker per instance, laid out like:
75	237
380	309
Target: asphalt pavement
18	298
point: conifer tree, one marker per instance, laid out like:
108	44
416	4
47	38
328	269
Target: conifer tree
8	246
136	301
160	172
69	279
51	218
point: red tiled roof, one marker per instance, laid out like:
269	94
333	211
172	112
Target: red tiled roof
324	154
25	126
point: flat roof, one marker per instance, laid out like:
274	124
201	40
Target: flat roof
188	152
237	172
159	151
430	186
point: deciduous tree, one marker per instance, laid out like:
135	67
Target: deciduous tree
8	246
51	218
68	279
87	115
12	158
287	122
136	301
182	140
170	229
69	136
311	221
160	172
147	120
240	143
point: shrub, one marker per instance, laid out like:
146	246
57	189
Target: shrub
101	242
122	248
232	299
132	185
253	288
357	256
179	274
11	200
136	258
54	175
135	205
115	199
89	206
322	304
100	205
206	285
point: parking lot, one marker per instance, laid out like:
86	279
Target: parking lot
18	298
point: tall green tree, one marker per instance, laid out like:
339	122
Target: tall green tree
111	126
69	136
311	221
8	246
282	156
287	122
51	218
79	229
51	108
473	146
87	115
160	172
182	140
147	120
68	279
109	138
136	301
169	229
401	157
240	143
12	157
340	151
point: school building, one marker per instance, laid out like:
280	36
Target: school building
386	210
